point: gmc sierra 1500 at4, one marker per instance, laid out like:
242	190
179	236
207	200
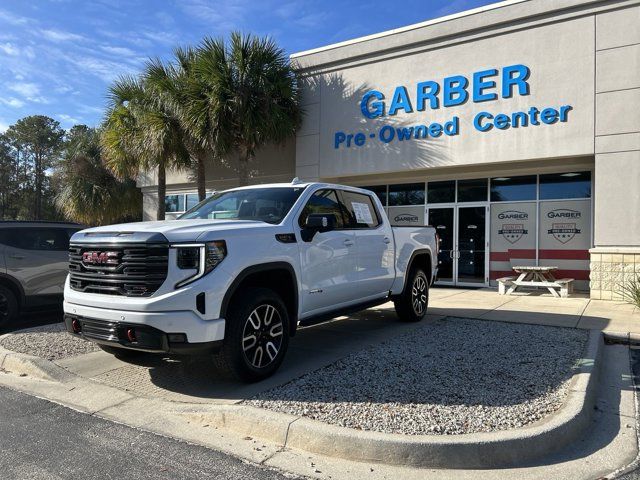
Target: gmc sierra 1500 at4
235	275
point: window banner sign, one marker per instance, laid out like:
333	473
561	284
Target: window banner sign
513	237
565	237
407	216
565	225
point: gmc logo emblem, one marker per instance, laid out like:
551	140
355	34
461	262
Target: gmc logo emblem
100	258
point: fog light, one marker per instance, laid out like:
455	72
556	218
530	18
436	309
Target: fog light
76	326
177	338
131	335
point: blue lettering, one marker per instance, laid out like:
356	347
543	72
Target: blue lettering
435	130
372	109
427	91
549	116
452	127
420	131
338	138
387	133
359	139
519	119
564	111
400	101
405	133
512	76
455	90
477	122
501	121
480	84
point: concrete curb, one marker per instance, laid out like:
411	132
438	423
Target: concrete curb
482	450
23	364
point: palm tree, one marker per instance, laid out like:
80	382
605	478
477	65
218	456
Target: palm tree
140	134
89	193
173	86
244	95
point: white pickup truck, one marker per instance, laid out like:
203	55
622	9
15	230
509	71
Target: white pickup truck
236	275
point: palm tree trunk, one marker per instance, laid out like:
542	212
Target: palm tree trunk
162	190
201	179
243	167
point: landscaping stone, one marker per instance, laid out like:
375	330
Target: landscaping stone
48	341
453	376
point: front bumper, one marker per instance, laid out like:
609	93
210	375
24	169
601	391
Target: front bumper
156	329
135	336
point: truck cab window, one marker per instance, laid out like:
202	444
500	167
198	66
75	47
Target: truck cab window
323	201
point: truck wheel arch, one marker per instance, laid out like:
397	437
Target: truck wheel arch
277	276
423	258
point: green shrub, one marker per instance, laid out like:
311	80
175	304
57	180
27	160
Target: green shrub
631	291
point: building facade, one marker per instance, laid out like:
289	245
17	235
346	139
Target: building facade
514	129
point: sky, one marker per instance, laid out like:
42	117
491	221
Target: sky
58	57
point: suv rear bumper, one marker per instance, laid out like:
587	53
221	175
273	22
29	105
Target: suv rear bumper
172	332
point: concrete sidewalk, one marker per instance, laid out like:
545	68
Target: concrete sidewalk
577	311
196	380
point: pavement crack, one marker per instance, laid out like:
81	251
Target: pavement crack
96	412
582	313
286	436
497	307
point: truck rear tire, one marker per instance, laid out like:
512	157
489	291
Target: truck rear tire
8	306
256	335
411	305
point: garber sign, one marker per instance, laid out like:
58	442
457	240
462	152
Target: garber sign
452	91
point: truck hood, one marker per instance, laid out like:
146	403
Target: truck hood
172	230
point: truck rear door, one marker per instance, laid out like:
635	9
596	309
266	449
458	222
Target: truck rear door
374	245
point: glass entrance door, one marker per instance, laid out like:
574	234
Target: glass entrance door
472	245
442	219
463	256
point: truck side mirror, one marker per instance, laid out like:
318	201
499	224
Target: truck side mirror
318	222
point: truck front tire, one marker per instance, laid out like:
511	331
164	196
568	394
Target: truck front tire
411	305
256	335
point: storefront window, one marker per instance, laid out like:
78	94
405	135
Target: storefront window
441	192
380	191
565	185
174	203
406	194
181	202
472	190
513	189
192	200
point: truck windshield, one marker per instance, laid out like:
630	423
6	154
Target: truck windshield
268	205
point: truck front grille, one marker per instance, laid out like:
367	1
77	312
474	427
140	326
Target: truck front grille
132	270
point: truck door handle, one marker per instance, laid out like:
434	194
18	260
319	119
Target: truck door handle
17	257
348	243
387	240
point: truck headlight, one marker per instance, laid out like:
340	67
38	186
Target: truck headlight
202	257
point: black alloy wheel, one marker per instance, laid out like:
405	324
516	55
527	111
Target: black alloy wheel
262	336
411	305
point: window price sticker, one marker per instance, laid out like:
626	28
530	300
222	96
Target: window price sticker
362	213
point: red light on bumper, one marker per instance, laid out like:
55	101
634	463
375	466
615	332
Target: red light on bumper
76	326
131	335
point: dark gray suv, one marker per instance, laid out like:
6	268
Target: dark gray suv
34	259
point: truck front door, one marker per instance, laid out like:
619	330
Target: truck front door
328	261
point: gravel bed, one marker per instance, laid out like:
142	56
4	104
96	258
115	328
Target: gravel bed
48	341
450	377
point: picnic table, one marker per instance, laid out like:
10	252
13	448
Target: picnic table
536	276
